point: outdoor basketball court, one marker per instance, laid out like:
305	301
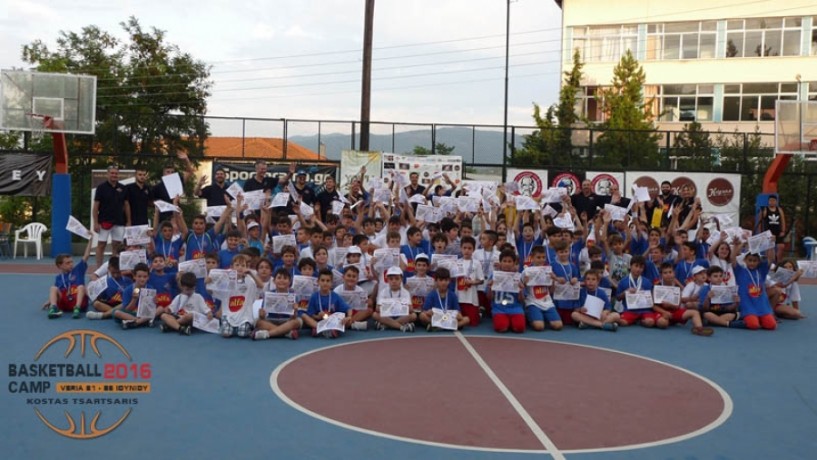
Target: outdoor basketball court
576	394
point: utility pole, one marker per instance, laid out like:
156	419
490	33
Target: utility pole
366	87
505	120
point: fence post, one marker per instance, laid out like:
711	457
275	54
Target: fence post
473	144
286	135
745	152
243	137
392	138
433	139
319	142
353	135
513	141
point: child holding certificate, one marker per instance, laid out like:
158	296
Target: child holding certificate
596	309
322	304
507	294
179	316
539	306
394	304
351	293
718	305
272	324
443	299
236	304
471	277
635	284
787	302
565	283
670	309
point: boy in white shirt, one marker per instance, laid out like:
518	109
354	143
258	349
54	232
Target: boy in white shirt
394	290
181	309
468	281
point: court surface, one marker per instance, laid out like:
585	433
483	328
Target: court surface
572	394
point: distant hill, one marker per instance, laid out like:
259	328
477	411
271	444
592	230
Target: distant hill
488	143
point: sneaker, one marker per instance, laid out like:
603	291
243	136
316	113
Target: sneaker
293	334
76	313
163	328
260	335
408	327
582	325
612	327
360	326
379	326
737	324
127	324
703	331
151	323
54	312
185	330
93	315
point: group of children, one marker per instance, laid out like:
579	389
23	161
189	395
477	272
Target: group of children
379	266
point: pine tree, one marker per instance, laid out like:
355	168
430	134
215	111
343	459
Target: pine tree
629	138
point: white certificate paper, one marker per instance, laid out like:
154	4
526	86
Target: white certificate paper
444	319
669	294
393	307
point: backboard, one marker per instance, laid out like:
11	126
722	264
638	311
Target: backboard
795	130
26	98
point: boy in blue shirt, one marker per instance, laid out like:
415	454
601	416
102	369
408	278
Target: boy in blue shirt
608	319
634	282
68	292
323	303
111	298
444	299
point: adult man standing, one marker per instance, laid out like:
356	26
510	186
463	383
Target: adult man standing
159	190
109	213
326	197
137	199
586	201
260	181
414	187
213	193
304	190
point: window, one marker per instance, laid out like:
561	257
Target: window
812	91
686	102
605	43
681	40
588	103
755	101
763	37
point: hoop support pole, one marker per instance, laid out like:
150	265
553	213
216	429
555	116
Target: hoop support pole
776	168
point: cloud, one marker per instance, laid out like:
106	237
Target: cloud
262	32
296	31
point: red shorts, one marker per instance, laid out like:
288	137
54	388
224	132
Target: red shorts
566	317
678	316
634	317
67	302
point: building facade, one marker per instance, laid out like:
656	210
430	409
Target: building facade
722	63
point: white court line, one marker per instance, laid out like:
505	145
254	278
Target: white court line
534	427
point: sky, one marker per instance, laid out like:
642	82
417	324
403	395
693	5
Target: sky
436	61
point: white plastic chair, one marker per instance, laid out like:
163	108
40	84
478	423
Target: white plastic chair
34	234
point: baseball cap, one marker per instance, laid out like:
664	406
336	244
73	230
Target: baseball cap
301	172
252	225
697	269
394	271
354	250
421	256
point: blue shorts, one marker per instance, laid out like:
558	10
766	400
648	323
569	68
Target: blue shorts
537	314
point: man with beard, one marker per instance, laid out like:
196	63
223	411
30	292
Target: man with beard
586	201
414	187
213	193
137	199
664	201
326	197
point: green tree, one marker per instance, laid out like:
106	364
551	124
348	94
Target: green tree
552	142
629	138
151	98
439	149
694	148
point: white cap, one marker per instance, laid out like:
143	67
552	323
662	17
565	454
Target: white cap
697	269
353	250
394	271
421	256
252	225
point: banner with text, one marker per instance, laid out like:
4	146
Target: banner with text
25	174
239	172
428	166
350	163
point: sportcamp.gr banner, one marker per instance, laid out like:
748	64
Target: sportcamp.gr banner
25	174
426	166
316	174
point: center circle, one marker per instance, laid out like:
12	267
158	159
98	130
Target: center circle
433	391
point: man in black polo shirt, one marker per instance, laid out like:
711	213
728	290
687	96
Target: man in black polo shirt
159	191
213	193
586	201
137	199
305	191
326	197
109	213
260	181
